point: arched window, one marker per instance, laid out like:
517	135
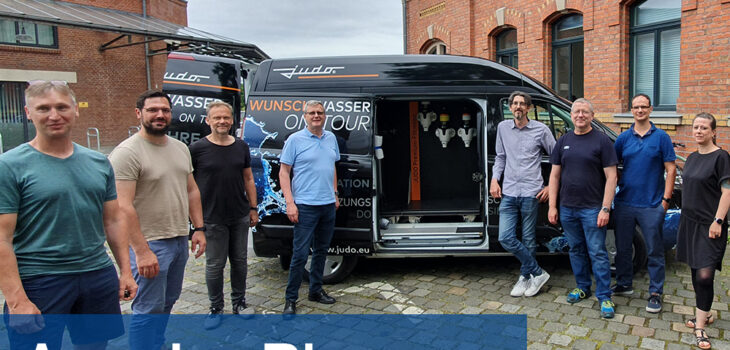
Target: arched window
436	48
507	47
655	46
568	56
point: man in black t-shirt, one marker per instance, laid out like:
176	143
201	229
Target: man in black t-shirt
584	171
222	169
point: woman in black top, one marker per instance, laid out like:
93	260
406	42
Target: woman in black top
703	230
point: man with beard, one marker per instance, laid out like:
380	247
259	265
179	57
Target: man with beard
157	194
519	146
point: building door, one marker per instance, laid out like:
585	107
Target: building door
14	126
568	57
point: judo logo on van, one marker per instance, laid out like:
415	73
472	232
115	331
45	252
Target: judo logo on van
297	71
186	76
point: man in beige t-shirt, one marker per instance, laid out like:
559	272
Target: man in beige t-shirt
157	194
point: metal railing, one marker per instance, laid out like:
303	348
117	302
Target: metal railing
132	130
1	144
93	133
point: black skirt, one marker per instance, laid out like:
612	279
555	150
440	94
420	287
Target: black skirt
696	248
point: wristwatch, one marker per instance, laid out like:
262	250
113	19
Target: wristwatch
665	199
337	193
199	229
605	210
719	221
254	208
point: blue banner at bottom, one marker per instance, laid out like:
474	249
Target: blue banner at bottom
266	332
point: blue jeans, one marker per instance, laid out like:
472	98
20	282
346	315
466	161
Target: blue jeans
651	221
226	241
157	295
315	229
587	244
510	209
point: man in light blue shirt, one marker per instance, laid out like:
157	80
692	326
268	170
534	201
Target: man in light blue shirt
308	181
519	146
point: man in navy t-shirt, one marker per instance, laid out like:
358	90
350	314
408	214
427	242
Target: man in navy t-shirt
643	198
584	172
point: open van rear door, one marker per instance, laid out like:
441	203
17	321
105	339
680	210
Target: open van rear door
270	120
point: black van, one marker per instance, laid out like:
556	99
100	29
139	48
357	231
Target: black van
416	134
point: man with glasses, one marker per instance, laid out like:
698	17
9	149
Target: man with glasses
308	181
58	206
643	198
520	144
157	194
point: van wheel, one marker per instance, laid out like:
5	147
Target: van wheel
336	268
638	250
285	261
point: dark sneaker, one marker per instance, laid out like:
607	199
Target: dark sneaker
214	318
622	290
577	295
655	304
321	297
607	308
242	310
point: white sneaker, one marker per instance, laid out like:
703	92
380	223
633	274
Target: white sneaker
519	289
536	282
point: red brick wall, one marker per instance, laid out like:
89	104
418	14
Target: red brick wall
469	27
109	81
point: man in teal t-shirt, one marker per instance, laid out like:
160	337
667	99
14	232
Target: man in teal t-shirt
58	206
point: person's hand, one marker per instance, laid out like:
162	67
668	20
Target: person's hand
553	216
494	189
337	202
543	195
665	205
602	219
25	318
147	264
715	230
198	243
253	218
127	287
292	212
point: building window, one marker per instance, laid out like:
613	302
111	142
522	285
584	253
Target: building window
14	126
507	47
568	56
27	34
436	48
655	46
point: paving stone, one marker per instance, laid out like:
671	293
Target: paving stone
554	327
538	346
634	320
628	340
601	336
617	327
577	331
659	324
609	346
652	344
559	339
642	331
663	334
583	344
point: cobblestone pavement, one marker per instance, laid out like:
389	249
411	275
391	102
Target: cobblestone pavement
482	285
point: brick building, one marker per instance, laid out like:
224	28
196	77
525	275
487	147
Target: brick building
108	51
676	51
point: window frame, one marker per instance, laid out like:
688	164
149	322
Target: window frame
17	25
438	46
560	43
655	28
510	54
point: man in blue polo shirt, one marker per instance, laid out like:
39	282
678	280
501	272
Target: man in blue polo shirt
643	198
311	201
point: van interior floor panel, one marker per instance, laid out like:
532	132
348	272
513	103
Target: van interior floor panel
437	207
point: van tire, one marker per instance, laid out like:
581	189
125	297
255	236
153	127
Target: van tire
336	268
639	254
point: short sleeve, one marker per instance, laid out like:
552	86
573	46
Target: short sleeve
556	155
246	154
667	148
337	151
111	186
10	194
125	163
618	146
288	153
722	167
608	153
548	140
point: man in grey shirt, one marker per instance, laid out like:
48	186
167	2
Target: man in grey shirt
519	146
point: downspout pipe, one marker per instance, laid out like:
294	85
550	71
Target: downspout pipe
405	27
146	49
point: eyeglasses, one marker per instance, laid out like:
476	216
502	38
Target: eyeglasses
315	113
154	110
52	82
640	107
522	104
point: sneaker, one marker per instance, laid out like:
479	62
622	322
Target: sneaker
535	283
622	290
607	308
214	318
655	304
519	289
242	310
577	295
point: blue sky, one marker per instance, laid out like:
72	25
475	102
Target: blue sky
289	28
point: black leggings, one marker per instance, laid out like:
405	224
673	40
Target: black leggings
702	281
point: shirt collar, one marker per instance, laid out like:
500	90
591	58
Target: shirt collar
651	129
530	124
309	133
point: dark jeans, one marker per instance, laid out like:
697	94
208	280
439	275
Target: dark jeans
651	221
226	241
314	229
